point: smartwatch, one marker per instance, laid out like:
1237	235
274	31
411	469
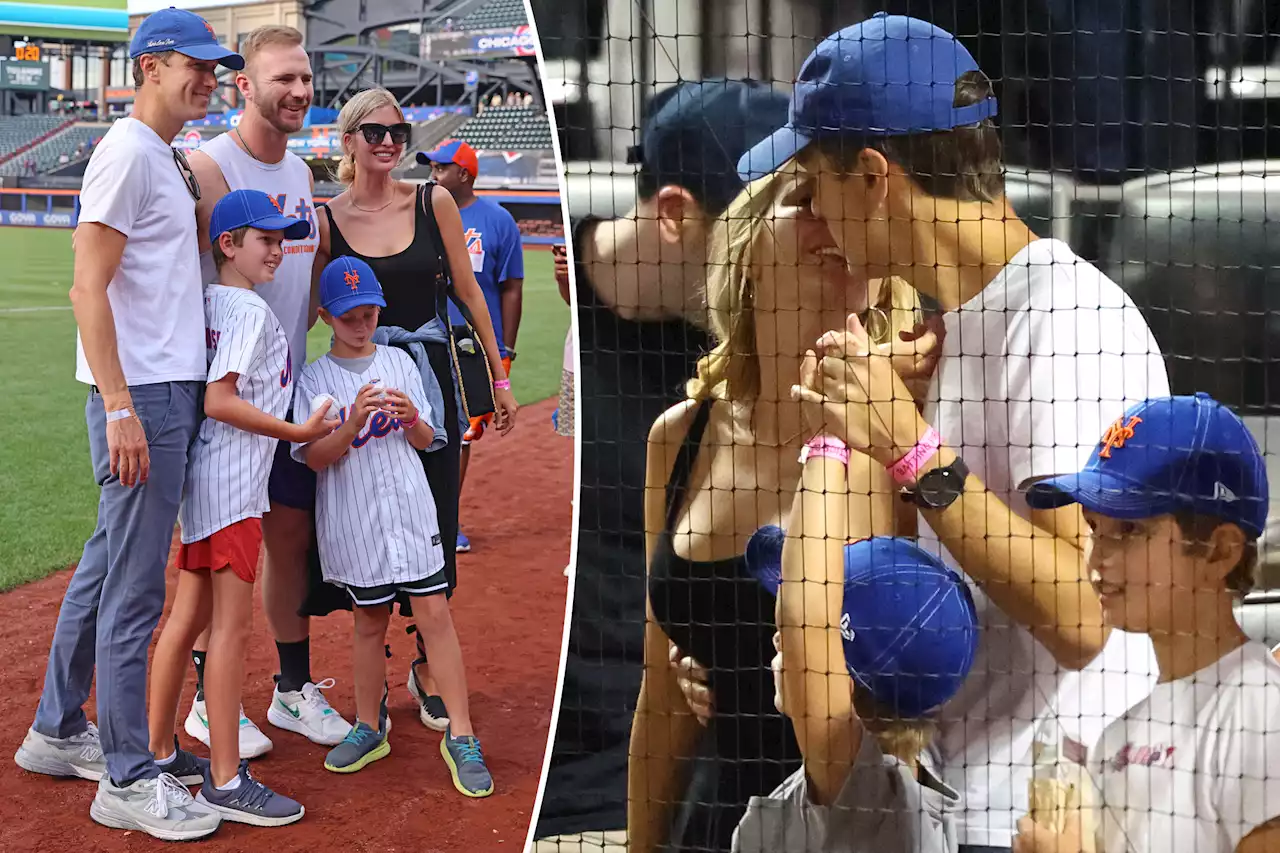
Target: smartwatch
938	488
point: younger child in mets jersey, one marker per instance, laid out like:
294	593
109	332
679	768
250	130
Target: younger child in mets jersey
1175	497
250	385
375	516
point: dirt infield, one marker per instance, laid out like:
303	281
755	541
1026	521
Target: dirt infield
509	609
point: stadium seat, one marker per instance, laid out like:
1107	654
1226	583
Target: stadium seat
494	15
17	131
508	129
1199	255
1041	199
47	153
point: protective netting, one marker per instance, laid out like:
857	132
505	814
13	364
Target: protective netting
1009	234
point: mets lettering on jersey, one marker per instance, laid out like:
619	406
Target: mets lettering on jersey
227	468
375	516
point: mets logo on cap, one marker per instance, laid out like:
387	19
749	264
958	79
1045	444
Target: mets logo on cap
348	283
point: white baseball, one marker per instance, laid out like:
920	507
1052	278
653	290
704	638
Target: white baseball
320	399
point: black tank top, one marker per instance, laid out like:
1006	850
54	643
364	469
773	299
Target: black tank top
410	279
719	614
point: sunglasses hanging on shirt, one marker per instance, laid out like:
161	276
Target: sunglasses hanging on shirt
188	176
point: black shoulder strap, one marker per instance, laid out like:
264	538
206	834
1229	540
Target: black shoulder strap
433	227
678	482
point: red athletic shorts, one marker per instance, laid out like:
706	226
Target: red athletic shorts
478	424
236	547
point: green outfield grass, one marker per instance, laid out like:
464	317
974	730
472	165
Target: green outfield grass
49	502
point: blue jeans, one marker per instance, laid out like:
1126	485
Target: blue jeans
116	595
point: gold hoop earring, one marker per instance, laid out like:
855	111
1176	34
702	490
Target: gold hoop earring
876	322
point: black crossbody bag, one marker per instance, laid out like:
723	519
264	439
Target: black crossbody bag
465	349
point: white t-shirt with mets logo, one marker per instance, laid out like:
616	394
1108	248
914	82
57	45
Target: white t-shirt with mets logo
228	468
1195	767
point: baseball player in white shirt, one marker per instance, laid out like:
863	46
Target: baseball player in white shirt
375	517
1175	497
250	386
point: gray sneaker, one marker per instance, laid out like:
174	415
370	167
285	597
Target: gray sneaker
466	765
78	756
252	803
160	807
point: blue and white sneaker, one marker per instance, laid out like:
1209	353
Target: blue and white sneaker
464	544
466	765
187	768
250	802
362	746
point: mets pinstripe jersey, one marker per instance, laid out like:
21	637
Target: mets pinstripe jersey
375	515
289	185
228	468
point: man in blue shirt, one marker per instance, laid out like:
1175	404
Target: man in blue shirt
497	259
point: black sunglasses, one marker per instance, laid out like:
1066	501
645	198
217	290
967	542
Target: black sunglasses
188	176
375	133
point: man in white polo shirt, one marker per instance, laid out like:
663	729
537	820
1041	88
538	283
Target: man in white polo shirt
892	117
138	304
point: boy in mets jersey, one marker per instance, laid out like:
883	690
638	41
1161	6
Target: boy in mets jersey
1175	497
249	388
376	522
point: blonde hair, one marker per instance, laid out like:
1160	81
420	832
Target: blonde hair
902	738
353	114
731	371
267	36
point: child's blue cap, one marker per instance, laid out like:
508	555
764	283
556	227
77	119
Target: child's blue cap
1166	455
184	32
254	209
348	283
888	76
909	625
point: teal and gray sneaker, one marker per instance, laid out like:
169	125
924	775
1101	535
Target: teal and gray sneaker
466	765
362	746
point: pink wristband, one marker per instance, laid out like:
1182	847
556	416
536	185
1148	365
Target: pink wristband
409	424
907	469
825	445
502	384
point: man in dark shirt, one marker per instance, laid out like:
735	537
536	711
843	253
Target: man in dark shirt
639	283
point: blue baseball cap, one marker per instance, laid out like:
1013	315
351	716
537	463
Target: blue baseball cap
348	283
909	625
253	209
693	133
1167	455
889	75
184	32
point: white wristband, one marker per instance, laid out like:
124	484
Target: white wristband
119	415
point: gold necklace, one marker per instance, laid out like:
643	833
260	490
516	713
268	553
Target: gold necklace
352	202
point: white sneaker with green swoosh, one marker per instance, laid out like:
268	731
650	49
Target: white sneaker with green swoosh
308	713
253	742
